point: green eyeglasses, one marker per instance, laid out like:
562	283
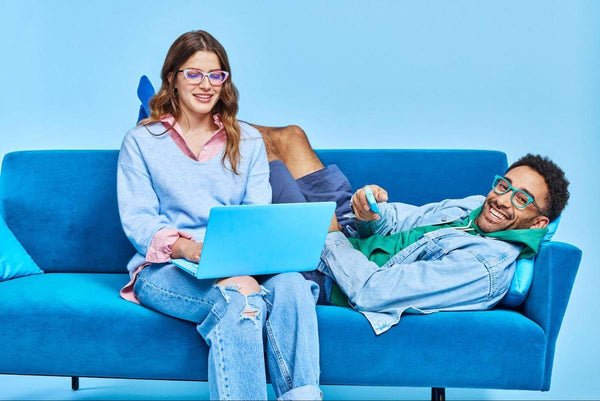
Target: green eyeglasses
519	198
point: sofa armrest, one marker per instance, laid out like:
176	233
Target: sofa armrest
554	273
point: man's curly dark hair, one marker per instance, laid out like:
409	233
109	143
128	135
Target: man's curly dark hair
557	183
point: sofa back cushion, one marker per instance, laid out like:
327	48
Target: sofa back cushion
62	205
420	176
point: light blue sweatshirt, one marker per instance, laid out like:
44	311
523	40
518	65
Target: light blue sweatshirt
159	187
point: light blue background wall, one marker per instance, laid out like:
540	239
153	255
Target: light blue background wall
516	76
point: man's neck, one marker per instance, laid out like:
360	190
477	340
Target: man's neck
528	238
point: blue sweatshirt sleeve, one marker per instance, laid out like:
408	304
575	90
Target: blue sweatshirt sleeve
138	203
258	188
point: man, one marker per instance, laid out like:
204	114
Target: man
452	255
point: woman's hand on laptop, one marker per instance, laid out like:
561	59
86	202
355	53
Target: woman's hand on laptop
360	205
187	249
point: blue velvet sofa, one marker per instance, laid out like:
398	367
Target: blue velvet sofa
70	321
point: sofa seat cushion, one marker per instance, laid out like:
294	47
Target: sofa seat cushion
76	324
477	349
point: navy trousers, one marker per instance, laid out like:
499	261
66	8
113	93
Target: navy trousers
325	185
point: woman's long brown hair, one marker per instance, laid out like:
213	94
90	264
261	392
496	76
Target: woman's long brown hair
167	102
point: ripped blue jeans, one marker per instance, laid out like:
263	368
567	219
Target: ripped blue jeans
280	321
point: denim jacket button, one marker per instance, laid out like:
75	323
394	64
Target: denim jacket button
444	218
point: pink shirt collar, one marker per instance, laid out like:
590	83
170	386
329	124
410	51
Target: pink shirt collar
210	149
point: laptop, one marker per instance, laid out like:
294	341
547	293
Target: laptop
262	239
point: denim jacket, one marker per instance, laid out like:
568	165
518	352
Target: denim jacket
444	270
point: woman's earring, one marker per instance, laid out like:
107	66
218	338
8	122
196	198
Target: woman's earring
176	91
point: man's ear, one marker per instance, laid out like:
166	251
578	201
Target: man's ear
540	222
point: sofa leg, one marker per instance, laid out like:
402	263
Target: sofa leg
75	382
438	394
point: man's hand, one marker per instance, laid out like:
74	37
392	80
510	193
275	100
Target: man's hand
334	226
360	206
187	249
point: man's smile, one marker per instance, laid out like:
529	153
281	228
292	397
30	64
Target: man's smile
495	213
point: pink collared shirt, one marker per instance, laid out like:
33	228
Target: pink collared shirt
213	146
162	243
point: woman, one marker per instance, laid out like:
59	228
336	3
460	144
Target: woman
192	154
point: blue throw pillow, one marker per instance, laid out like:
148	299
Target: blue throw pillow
14	260
145	93
521	282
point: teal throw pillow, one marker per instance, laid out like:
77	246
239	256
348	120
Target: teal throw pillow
14	260
521	282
